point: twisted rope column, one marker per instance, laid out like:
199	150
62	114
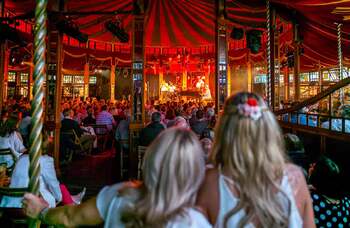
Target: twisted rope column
268	51
35	139
340	59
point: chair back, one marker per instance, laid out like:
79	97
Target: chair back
100	129
14	215
69	138
7	155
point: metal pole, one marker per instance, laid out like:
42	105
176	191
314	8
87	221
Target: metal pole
35	139
340	61
268	51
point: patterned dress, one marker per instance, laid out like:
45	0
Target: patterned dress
331	215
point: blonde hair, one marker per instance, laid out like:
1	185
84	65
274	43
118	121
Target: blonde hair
173	170
251	152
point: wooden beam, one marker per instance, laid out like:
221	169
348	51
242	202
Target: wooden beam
58	97
2	72
138	92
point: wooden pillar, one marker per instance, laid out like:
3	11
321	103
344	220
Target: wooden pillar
30	80
207	77
4	55
286	83
221	56
2	61
138	110
250	76
229	81
86	80
160	81
320	78
112	82
296	62
276	93
58	97
56	46
184	77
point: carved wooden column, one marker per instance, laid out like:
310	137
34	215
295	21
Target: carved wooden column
276	92
270	80
221	56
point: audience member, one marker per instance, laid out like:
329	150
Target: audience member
69	125
173	171
24	126
50	188
105	118
11	138
200	123
90	119
152	130
252	184
331	205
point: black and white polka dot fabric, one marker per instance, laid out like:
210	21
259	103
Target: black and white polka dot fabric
331	215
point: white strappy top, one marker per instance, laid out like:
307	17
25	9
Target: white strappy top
110	207
228	201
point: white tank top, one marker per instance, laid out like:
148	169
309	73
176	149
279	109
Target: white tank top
228	201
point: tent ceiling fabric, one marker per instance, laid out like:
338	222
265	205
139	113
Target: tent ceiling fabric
191	23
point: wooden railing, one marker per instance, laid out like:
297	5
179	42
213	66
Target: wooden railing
325	126
331	123
315	99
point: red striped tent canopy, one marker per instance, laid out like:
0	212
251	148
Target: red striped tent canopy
191	23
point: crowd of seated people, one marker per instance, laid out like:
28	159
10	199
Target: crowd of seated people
200	172
50	188
14	134
250	182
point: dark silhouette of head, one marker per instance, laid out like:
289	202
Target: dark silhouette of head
156	117
325	177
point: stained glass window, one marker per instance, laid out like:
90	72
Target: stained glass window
79	79
92	80
11	76
24	77
313	76
67	79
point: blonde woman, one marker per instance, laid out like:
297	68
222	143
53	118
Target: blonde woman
252	185
173	171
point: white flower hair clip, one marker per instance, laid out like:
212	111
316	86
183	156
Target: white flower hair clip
249	109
